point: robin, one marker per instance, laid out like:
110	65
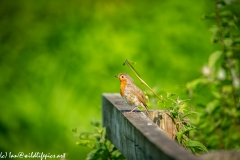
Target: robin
131	94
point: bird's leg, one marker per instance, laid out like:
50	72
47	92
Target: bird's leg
132	110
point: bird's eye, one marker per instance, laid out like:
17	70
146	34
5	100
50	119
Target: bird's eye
122	76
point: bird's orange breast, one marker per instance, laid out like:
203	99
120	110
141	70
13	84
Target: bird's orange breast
122	86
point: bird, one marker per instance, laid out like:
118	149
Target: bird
131	94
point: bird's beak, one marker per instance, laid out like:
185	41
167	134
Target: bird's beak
116	76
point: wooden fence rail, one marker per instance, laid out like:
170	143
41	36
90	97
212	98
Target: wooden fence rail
139	138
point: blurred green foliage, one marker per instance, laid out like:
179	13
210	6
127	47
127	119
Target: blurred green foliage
58	57
216	94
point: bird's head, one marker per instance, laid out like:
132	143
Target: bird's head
123	77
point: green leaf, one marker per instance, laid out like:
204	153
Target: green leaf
85	135
86	143
174	114
97	136
181	102
227	89
74	130
99	130
94	154
236	40
179	137
195	144
226	13
182	108
95	123
216	94
215	30
212	106
228	42
170	94
82	143
213	58
188	113
186	129
193	84
210	16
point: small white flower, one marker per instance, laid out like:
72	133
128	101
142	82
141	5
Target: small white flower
221	74
206	70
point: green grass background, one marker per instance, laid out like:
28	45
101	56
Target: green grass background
58	57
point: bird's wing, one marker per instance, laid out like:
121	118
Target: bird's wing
140	95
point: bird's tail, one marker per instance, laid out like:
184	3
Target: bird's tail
146	108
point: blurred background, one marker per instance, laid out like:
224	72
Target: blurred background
58	57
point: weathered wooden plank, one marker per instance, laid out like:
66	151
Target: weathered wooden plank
136	136
162	119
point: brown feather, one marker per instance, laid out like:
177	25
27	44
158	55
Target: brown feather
139	93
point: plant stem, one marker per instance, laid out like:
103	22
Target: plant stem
219	27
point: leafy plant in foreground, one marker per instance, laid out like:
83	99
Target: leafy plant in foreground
179	115
101	147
